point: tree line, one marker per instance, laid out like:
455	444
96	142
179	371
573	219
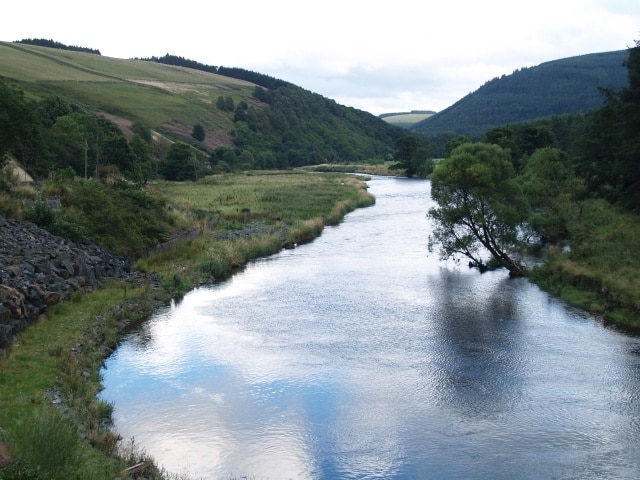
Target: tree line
42	42
286	127
261	79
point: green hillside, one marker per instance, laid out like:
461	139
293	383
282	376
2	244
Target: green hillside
560	87
154	94
280	127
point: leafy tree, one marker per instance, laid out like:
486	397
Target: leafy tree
142	159
412	157
505	137
142	130
454	143
480	205
16	118
225	104
53	107
180	163
115	150
611	148
551	189
70	139
198	132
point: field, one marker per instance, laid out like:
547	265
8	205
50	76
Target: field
242	217
406	119
158	95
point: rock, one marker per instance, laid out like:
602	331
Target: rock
39	270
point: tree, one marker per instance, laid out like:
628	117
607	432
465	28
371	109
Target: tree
480	205
16	119
412	157
551	188
610	161
142	159
504	137
198	132
180	163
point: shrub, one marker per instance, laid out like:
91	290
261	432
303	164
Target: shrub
46	444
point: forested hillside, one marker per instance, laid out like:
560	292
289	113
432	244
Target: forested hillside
561	87
177	119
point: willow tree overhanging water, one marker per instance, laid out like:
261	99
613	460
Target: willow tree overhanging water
480	205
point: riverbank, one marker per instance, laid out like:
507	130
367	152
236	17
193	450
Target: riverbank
599	272
49	375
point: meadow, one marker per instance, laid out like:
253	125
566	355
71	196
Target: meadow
245	216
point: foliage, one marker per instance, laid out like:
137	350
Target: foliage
121	218
551	189
198	132
180	164
17	117
561	87
600	271
412	157
274	125
612	144
480	205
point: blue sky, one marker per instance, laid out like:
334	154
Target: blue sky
376	56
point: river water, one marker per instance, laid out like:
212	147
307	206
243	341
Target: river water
362	356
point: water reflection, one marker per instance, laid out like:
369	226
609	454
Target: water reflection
479	361
359	356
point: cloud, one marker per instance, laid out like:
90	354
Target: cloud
376	56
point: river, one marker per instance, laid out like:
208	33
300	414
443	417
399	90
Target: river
363	356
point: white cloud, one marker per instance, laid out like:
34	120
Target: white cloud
373	55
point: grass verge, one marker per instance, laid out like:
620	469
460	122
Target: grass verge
600	271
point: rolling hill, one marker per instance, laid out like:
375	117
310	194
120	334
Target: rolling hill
297	126
559	87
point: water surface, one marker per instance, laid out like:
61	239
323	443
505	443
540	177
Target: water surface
363	356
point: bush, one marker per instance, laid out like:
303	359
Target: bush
46	446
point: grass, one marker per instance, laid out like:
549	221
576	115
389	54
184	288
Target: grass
49	377
600	272
407	118
161	92
285	208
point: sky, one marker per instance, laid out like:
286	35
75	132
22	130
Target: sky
377	56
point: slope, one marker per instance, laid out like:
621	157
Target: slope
559	87
157	95
281	127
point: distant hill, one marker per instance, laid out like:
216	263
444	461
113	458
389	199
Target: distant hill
559	87
406	119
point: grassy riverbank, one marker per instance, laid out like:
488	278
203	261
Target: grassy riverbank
50	418
599	273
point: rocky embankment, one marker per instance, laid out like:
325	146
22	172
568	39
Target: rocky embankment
38	270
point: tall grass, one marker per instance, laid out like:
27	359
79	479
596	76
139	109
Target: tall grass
47	445
291	208
600	271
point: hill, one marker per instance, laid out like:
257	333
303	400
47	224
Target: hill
559	87
282	127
